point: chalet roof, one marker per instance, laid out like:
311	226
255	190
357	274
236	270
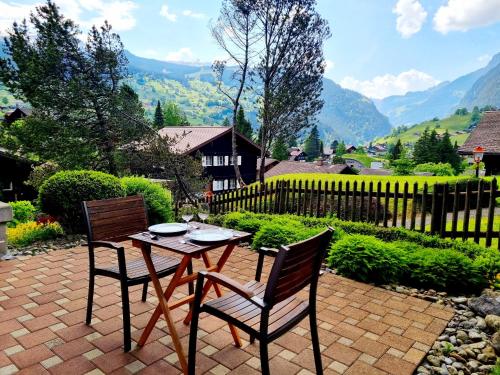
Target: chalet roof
375	171
192	138
267	162
486	135
286	167
24	110
296	152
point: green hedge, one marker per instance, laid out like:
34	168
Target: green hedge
23	211
61	195
380	255
158	199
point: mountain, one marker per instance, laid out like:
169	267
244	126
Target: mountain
346	114
480	87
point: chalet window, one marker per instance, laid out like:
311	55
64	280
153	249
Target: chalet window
220	160
226	160
226	184
239	159
218	185
207	161
232	183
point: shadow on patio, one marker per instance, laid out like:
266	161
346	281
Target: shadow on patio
363	329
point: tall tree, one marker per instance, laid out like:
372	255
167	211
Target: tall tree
396	150
243	126
448	153
312	145
174	116
341	149
234	33
159	121
290	67
83	113
280	151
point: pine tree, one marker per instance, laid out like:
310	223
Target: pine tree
396	151
158	122
448	153
312	144
226	122
321	148
433	147
280	151
243	126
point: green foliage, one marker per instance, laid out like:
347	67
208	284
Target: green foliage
157	198
280	149
61	196
367	259
276	234
158	121
462	112
312	145
82	110
395	151
403	166
173	115
438	169
23	211
41	173
25	234
243	126
341	149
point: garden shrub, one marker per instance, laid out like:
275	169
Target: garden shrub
157	198
41	173
438	169
366	259
61	196
25	234
23	211
277	234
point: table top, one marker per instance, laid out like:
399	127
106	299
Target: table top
173	243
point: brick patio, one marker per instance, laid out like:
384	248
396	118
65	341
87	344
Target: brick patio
364	330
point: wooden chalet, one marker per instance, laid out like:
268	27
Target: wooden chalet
16	114
486	135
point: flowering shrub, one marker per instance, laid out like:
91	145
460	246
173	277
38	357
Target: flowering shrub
23	212
25	234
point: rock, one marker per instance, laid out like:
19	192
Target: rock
473	365
423	370
486	304
475	336
495	342
477	345
444	338
462	335
459	300
452	370
433	360
481	323
493	322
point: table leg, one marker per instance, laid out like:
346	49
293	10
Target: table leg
206	288
163	305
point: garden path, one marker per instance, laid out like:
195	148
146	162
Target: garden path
364	330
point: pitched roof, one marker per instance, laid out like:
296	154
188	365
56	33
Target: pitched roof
486	135
286	167
375	171
296	152
192	138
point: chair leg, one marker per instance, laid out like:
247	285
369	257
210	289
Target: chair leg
315	343
264	357
252	339
145	291
194	326
190	284
126	317
90	299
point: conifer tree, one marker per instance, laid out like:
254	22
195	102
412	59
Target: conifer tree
226	122
158	122
396	151
312	144
243	126
280	151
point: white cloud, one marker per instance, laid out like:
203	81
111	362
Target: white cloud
118	13
389	84
164	12
182	55
190	13
484	59
411	17
462	15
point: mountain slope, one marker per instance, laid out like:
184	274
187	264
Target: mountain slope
346	115
442	100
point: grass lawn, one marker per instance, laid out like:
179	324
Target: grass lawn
324	177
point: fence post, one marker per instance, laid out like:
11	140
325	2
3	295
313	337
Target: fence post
491	212
468	194
414	206
479	209
444	211
395	205
423	208
370	198
386	202
454	219
353	205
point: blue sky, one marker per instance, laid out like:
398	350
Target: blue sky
378	47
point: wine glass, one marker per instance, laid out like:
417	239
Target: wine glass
187	212
203	211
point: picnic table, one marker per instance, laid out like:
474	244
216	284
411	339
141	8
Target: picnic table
188	250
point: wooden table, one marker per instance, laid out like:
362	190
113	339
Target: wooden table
188	250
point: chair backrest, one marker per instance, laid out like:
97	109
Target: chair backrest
116	218
296	266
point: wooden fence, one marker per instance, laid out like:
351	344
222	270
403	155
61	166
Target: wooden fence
463	210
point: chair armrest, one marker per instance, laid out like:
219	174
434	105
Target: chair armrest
106	244
269	251
235	286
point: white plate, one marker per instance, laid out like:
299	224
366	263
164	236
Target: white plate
210	235
168	228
